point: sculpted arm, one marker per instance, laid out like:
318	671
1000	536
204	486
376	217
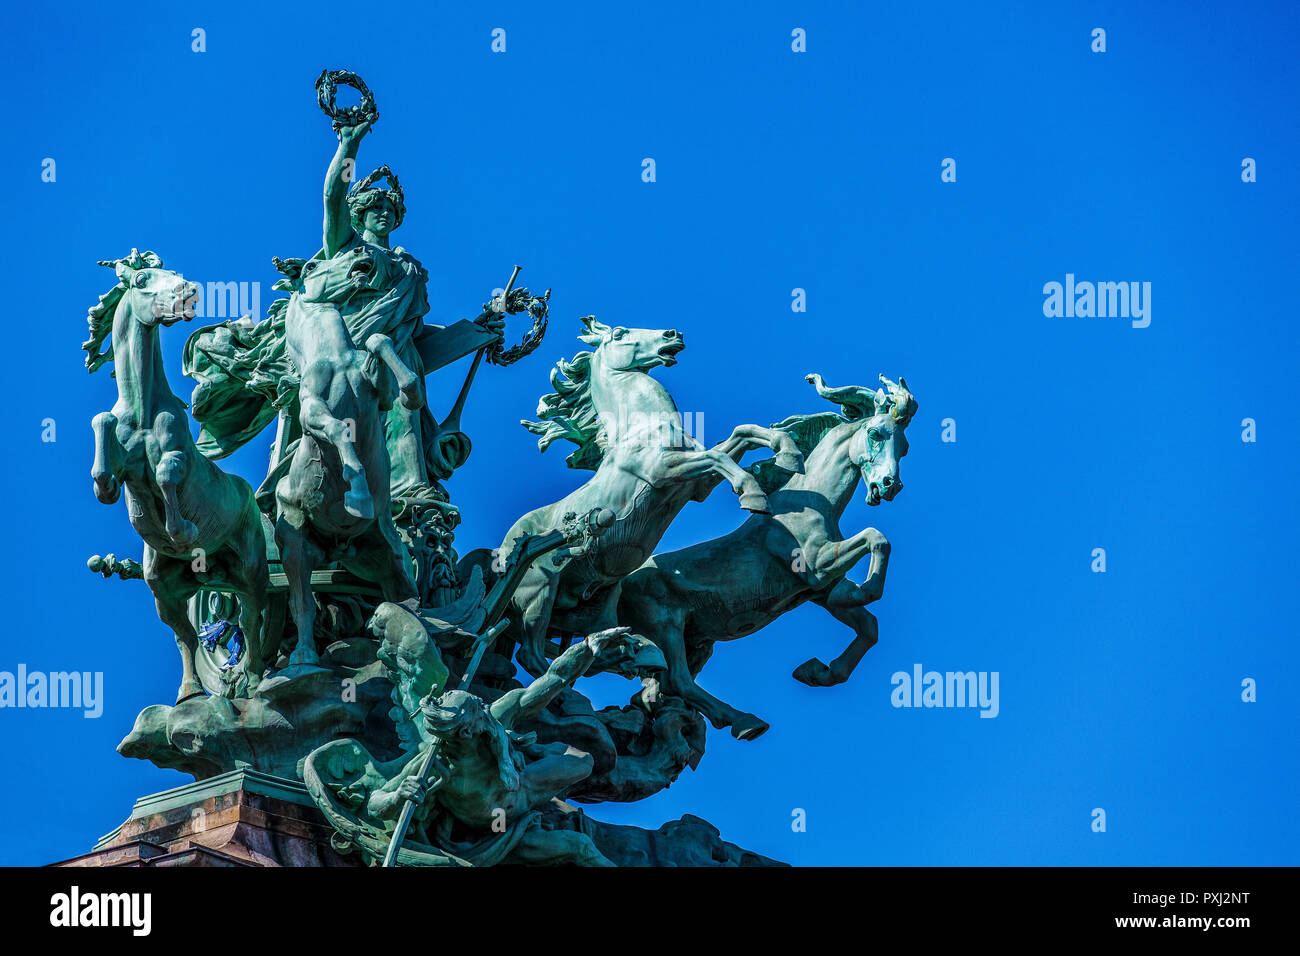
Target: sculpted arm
338	224
387	796
567	668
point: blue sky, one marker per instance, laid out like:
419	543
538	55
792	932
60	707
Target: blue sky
775	170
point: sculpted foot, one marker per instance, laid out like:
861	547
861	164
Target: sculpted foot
189	688
755	502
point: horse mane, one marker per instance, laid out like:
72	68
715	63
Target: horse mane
291	269
100	315
807	432
569	412
857	404
100	319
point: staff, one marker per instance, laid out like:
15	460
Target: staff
430	755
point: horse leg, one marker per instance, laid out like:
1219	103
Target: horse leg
747	437
698	654
700	464
680	683
829	561
249	579
318	419
816	674
874	586
107	468
649	610
845	600
408	383
301	556
534	598
172	586
169	474
174	440
381	558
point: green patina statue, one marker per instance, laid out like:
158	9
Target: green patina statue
201	527
329	632
333	502
486	803
687	600
628	430
247	373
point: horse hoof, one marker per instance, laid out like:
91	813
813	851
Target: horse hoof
749	727
755	502
813	673
411	397
359	506
303	660
108	490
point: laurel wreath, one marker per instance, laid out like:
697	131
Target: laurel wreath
327	85
517	301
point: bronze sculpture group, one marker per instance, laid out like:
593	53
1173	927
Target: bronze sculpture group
331	601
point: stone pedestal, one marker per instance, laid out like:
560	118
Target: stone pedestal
247	818
241	818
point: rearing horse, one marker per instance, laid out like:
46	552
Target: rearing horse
729	587
646	467
334	500
201	526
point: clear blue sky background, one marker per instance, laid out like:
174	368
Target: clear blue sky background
776	170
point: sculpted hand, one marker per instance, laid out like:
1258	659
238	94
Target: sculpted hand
620	651
412	789
608	640
493	322
352	135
